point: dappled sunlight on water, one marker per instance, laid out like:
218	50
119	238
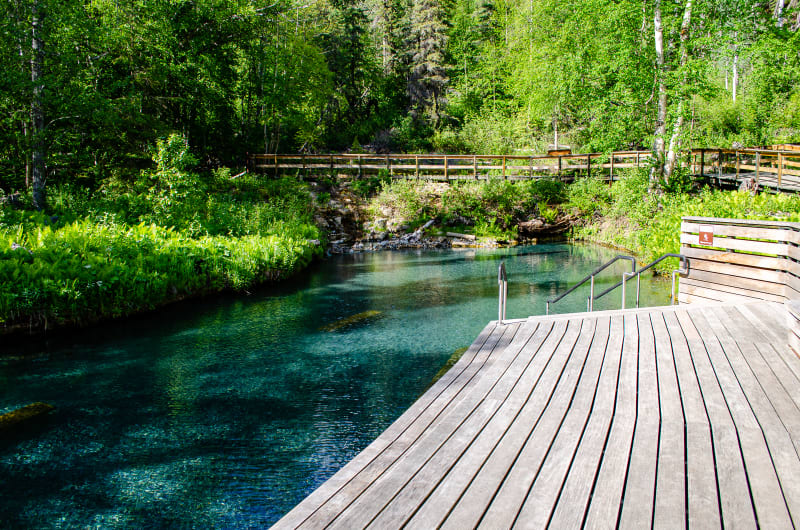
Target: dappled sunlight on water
228	412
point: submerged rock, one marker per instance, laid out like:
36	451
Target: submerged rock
351	320
23	416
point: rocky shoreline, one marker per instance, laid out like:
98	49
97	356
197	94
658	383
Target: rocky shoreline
343	215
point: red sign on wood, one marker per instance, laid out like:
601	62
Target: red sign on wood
706	235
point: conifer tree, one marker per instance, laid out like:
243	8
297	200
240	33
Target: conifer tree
427	78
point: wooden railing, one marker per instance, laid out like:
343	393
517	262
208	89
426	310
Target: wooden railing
740	260
778	170
451	167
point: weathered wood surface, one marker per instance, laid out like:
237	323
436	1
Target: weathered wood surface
747	260
665	417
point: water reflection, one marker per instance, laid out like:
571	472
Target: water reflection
227	412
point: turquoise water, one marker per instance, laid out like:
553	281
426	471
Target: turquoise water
227	412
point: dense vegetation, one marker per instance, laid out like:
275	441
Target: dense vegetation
170	235
87	87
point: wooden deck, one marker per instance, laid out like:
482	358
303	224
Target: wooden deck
667	417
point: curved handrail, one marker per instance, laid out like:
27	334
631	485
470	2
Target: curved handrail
637	273
591	276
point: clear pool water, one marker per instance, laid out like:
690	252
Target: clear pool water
225	413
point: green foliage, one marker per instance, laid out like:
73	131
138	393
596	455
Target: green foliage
367	187
84	270
649	225
587	196
171	234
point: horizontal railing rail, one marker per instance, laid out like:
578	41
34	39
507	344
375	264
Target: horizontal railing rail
451	167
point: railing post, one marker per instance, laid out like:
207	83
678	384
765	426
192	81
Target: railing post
624	278
702	163
588	166
475	167
719	164
275	155
780	169
738	164
416	166
591	295
559	166
502	281
333	174
530	165
611	171
504	167
303	162
758	167
637	159
359	166
446	175
388	166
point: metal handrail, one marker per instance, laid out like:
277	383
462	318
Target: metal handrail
590	278
502	282
626	276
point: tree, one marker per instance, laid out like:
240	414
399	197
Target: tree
427	79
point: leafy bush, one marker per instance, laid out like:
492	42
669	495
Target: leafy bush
587	196
84	270
129	246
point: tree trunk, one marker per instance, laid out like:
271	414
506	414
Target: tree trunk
37	113
674	141
661	118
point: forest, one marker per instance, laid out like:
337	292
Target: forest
88	86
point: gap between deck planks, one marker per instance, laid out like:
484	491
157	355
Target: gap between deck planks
661	417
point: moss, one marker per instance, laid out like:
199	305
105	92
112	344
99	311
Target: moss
24	415
352	320
449	364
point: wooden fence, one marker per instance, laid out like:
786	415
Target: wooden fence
774	169
452	167
740	260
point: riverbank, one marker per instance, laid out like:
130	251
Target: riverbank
134	244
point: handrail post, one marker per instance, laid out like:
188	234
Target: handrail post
446	176
559	166
416	166
588	166
591	295
624	279
611	171
504	167
475	167
780	169
502	281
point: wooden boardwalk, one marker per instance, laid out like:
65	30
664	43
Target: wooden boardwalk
663	417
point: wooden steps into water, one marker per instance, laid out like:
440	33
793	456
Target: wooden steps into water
669	417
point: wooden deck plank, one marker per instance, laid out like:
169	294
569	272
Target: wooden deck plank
670	505
637	510
376	492
452	485
577	489
392	447
635	418
767	495
609	487
481	491
415	491
544	491
511	495
734	493
701	483
777	414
